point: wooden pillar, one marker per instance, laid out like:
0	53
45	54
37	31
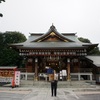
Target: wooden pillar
68	69
36	69
78	66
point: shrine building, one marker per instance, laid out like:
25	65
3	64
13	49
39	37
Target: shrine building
59	51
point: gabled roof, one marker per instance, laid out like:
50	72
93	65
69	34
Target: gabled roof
53	39
53	33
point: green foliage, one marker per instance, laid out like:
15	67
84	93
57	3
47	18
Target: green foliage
84	40
94	51
1	39
8	56
13	37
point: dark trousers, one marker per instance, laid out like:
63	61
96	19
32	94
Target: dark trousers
53	90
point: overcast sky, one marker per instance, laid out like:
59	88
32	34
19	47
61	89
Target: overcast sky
68	16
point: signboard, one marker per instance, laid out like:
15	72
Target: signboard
17	78
9	74
6	73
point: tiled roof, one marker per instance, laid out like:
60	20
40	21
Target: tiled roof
69	40
95	59
51	45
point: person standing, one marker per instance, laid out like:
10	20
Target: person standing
53	87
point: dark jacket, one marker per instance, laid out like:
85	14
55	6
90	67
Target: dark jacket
54	83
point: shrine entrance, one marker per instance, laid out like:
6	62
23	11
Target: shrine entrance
39	64
57	63
53	49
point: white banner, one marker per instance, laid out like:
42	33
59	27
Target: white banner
17	78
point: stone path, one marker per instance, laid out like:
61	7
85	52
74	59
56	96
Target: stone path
45	94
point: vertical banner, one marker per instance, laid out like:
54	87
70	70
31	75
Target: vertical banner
17	78
64	73
60	75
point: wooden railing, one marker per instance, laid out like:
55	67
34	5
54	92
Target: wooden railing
82	70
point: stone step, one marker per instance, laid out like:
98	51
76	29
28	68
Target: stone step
61	84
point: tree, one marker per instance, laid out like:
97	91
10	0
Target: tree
95	51
84	40
8	56
13	37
